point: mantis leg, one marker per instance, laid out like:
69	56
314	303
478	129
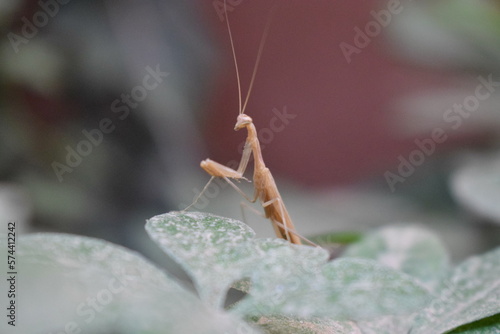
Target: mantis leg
199	195
215	169
288	230
231	183
282	212
245	157
244	205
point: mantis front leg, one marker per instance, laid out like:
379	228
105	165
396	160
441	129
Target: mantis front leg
216	169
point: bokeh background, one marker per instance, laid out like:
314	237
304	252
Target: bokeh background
351	119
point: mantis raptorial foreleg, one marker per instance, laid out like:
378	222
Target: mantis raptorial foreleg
216	169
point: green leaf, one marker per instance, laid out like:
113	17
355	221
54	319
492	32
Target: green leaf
350	289
286	279
66	283
218	251
343	238
470	293
410	249
490	325
479	20
477	186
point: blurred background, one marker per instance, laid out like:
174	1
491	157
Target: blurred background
369	113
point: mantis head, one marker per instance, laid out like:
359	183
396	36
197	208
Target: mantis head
242	121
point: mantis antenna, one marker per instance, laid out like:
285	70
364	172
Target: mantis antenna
257	61
234	56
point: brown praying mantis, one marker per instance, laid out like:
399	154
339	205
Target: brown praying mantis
265	188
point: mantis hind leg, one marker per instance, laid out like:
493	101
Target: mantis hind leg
276	225
231	183
244	205
289	231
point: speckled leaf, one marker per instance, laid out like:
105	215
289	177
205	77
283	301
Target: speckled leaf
208	247
387	324
471	292
286	325
218	251
410	249
343	289
477	186
69	283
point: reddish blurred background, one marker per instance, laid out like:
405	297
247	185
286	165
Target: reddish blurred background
344	130
353	119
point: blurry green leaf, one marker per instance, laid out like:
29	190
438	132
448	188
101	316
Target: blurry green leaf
478	20
67	283
477	186
343	238
470	293
410	249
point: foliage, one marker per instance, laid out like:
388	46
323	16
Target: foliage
394	280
